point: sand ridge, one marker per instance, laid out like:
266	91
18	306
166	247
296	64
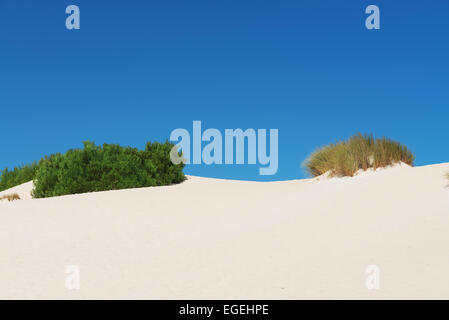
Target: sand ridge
221	239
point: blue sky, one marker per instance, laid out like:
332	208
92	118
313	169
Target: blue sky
136	70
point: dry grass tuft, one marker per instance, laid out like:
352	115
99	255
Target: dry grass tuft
10	197
345	158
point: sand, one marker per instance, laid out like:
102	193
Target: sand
221	239
24	191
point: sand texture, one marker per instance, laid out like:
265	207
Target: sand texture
221	239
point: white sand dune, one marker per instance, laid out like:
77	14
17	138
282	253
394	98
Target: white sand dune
221	239
24	191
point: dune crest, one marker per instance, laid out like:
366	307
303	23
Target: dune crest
221	239
23	190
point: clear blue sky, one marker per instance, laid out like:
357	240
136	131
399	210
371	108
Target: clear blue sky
136	70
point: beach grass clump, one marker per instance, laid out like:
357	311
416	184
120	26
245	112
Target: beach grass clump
106	167
359	152
10	197
17	176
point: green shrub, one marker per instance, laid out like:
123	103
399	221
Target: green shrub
10	179
107	167
345	158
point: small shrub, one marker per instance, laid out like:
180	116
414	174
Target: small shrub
107	167
10	197
345	158
19	175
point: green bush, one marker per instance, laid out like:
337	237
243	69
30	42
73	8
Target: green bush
107	167
10	179
345	158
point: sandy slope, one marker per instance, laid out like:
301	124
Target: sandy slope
209	238
24	191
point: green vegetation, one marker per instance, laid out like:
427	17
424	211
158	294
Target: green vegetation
345	158
97	168
10	179
107	167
